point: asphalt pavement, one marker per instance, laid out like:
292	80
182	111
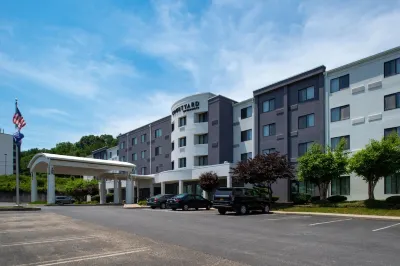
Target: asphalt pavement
258	239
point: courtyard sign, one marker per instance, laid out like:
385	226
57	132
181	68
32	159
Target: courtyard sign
187	107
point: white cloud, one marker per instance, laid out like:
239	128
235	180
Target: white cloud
46	112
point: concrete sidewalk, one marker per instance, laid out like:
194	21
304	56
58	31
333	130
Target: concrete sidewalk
396	218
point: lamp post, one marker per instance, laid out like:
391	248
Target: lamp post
5	163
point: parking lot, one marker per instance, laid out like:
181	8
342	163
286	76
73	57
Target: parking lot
107	235
50	239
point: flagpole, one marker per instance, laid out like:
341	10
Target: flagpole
17	160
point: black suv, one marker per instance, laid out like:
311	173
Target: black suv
240	200
159	201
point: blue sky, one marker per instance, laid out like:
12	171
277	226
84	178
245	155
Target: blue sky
96	67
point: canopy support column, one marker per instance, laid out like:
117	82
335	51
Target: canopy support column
51	185
129	190
33	187
102	191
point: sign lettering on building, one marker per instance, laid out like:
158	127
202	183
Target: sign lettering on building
187	107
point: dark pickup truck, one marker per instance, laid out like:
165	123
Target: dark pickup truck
240	200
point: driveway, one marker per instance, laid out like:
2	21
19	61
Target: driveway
262	239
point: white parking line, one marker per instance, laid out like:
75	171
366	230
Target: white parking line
334	221
47	241
87	257
385	227
286	218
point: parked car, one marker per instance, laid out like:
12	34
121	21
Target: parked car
64	200
240	200
159	201
187	201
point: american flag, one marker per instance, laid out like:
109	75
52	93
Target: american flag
18	119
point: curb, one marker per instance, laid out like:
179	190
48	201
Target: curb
374	217
19	209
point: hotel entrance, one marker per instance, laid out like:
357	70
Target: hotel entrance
192	187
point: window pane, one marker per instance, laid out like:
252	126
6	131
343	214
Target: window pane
302	122
334	142
344	82
266	131
272	104
397	184
345	112
272	130
397	100
302	95
310	93
335	114
388	183
310	120
398	66
335	85
390	102
302	149
390	68
347	145
334	187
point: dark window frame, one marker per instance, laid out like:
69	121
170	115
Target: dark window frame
246	135
340	184
299	93
307	121
307	145
134	156
204	138
268	151
180	123
397	101
182	161
158	151
396	66
343	83
134	141
202	117
269	105
340	113
158	130
180	145
143	138
346	137
203	159
248	155
388	131
245	113
269	130
394	185
143	154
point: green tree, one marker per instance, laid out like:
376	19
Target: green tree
263	170
79	188
378	159
320	167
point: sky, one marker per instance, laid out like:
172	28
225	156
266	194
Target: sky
110	66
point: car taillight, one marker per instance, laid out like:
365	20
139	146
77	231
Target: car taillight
177	200
155	200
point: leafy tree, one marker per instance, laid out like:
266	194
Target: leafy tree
378	159
320	167
263	170
209	181
79	188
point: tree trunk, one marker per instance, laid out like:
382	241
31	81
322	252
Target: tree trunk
270	192
371	188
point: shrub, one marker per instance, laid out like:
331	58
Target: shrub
393	200
95	198
142	202
315	199
275	198
301	198
337	199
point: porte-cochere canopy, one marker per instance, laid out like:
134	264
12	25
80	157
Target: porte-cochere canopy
54	164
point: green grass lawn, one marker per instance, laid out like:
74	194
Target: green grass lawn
368	207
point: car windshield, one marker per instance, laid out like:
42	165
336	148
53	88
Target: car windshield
181	195
158	196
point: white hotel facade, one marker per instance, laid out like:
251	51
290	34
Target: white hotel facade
205	132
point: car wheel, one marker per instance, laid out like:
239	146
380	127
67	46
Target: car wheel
221	211
185	207
241	210
153	207
196	209
162	206
174	209
208	207
265	209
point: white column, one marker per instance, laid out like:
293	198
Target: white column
205	195
151	189
119	191
137	190
133	191
129	190
102	191
51	185
33	187
116	191
162	187
180	187
228	181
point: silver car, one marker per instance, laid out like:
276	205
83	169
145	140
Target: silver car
64	200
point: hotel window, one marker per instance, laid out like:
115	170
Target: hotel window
123	159
269	130
306	187
245	156
134	157
143	138
134	141
172	146
182	142
392	67
182	121
340	83
157	133
269	151
201	117
335	142
269	105
306	94
392	101
203	139
143	154
158	150
202	160
143	170
392	184
105	156
246	135
340	186
306	121
172	165
340	113
304	148
389	131
172	126
117	152
122	145
246	112
110	154
182	162
157	169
